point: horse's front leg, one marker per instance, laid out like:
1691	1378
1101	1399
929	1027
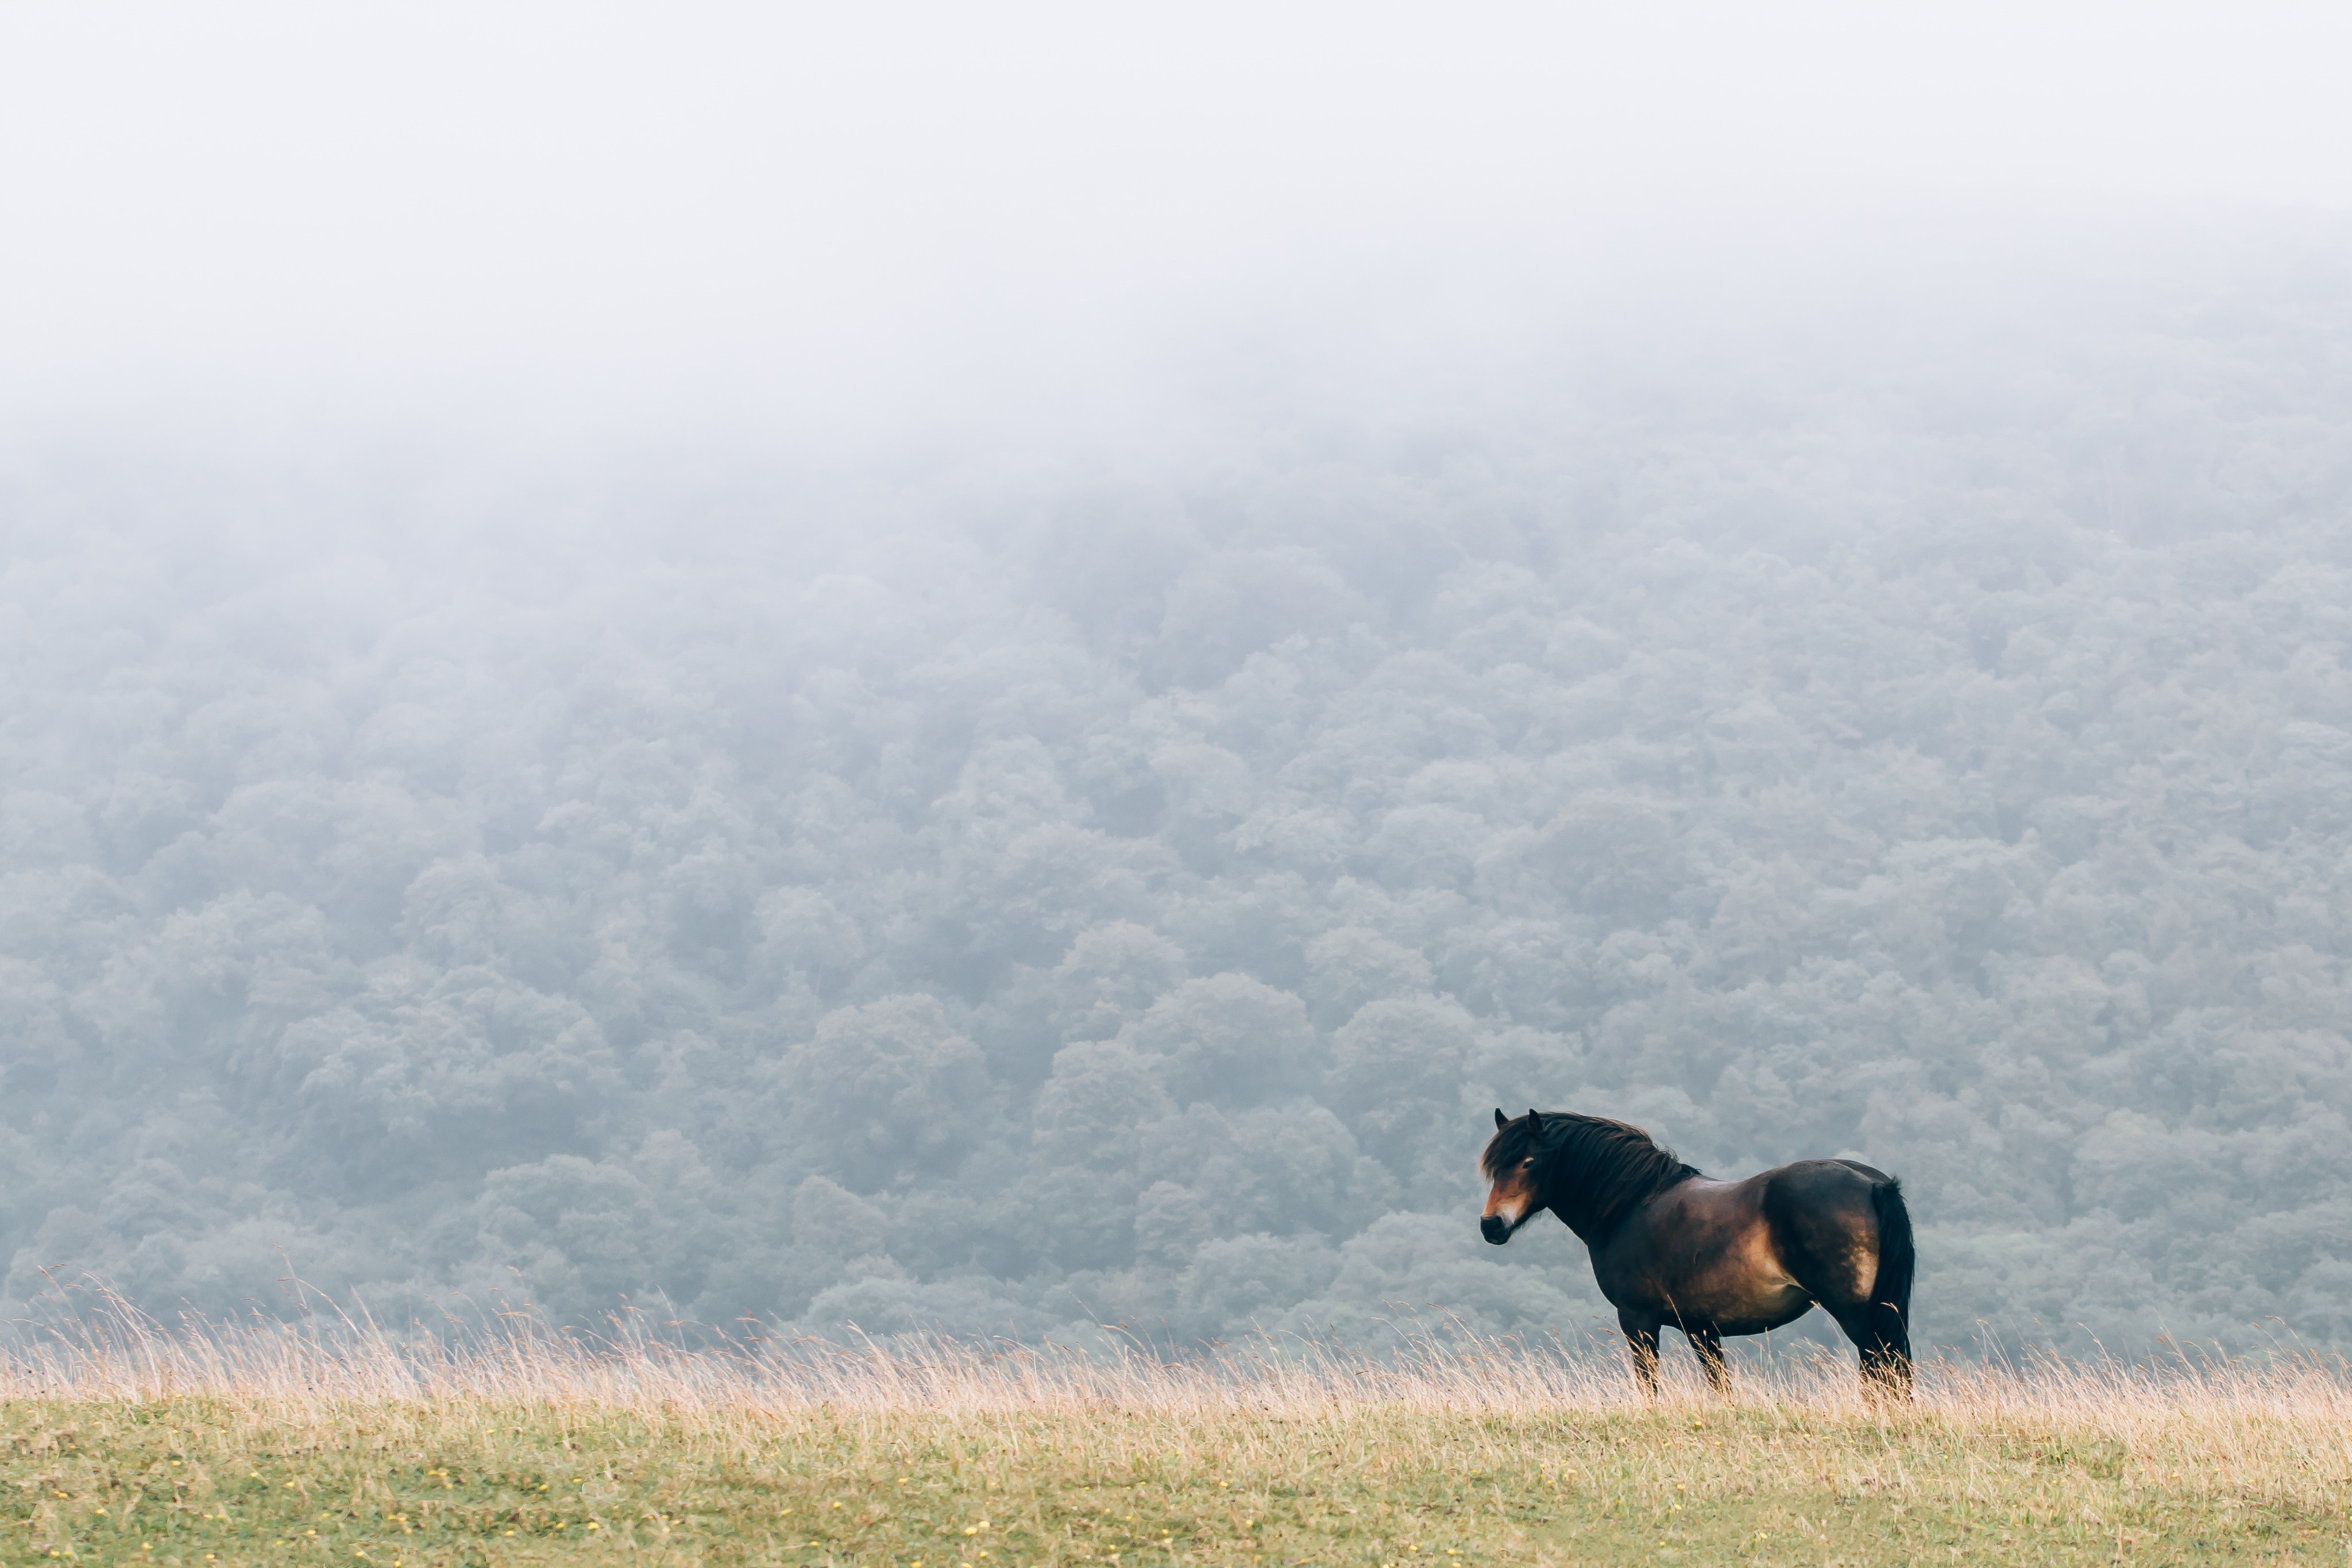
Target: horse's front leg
1642	1334
1707	1345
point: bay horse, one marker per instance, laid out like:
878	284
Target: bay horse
1672	1246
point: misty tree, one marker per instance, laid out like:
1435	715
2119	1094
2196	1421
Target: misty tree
1124	895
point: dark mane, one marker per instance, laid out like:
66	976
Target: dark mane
1590	1170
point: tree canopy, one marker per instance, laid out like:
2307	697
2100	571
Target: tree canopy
1009	902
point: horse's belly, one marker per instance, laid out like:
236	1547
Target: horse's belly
1703	1257
1750	1307
1762	1318
1743	1288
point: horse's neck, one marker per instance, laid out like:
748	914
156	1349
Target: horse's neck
1581	1213
1592	1221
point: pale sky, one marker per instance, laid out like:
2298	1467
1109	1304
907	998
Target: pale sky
431	203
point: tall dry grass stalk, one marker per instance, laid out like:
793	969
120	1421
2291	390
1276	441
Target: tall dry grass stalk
108	1349
2107	1448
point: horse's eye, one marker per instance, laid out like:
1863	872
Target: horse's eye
1526	1162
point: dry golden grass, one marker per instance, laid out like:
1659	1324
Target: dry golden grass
269	1443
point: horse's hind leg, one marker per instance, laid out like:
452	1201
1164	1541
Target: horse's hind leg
1846	1238
1707	1345
1641	1334
1885	1367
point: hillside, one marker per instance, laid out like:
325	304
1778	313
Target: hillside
1012	893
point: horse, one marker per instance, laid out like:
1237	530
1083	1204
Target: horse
1670	1245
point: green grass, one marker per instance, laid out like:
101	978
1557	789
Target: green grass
232	1480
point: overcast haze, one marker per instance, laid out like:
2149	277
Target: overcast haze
436	209
999	672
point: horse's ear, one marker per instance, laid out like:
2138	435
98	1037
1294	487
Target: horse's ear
1535	1116
1501	1120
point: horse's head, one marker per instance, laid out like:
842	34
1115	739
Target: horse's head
1509	1162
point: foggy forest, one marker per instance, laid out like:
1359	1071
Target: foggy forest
1008	898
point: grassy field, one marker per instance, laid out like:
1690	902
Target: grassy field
964	1459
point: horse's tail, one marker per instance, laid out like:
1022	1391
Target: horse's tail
1887	1354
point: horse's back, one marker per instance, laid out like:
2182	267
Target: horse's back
1825	1180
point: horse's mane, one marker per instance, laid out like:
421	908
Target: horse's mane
1592	1171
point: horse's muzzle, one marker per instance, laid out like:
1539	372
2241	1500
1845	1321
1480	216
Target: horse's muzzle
1493	1229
